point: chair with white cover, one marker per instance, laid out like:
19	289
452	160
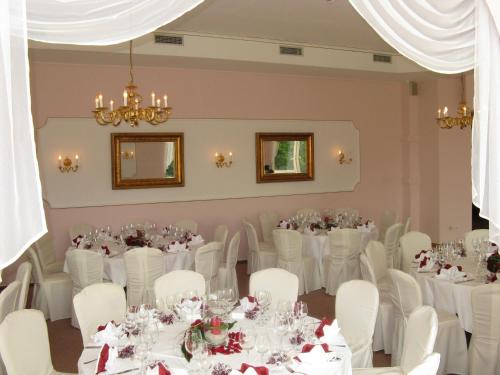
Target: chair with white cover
411	244
143	266
268	222
450	341
45	249
220	235
178	282
342	264
391	244
484	348
384	326
24	344
476	234
187	224
8	299
23	275
289	247
417	358
375	253
407	226
387	219
356	308
79	230
261	255
52	291
227	277
281	284
85	268
207	262
98	304
307	212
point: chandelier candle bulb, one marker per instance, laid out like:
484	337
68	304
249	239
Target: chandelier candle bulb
153	100
111	104
76	160
97	102
100	101
165	101
445	111
60	159
158	103
125	98
439	112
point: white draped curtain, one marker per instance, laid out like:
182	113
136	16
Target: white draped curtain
97	22
454	36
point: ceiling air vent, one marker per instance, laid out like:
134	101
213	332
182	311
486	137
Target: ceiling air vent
382	58
294	51
169	39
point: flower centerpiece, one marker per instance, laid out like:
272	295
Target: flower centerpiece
493	262
138	240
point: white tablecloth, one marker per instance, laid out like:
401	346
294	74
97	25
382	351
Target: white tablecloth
168	349
317	246
454	298
114	268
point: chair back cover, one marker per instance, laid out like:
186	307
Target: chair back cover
375	253
484	349
411	244
391	241
253	240
85	268
387	219
97	305
429	366
207	262
307	211
281	284
143	265
23	275
480	234
232	251
367	270
8	299
268	221
407	295
344	243
188	224
406	229
24	343
420	337
288	244
220	235
79	230
36	266
356	309
45	250
177	282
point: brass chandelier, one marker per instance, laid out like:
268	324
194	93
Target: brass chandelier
131	111
465	114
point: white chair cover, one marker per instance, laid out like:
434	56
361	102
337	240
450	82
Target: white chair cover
480	234
268	222
391	242
289	247
98	304
356	308
207	262
79	230
178	282
23	275
85	268
484	349
260	255
24	344
307	211
143	266
343	262
8	299
450	342
283	285
411	244
220	235
387	219
227	272
406	229
52	292
384	326
46	254
429	366
188	224
375	252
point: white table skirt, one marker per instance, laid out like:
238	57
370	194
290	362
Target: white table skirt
168	350
317	246
454	298
114	268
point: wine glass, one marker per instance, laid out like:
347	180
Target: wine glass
262	345
263	298
281	327
247	339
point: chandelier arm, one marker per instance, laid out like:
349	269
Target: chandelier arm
130	63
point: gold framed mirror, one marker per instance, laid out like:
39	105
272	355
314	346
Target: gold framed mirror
147	160
284	157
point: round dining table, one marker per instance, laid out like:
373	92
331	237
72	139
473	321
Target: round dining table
168	350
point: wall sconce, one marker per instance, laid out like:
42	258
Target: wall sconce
66	165
342	158
127	155
220	160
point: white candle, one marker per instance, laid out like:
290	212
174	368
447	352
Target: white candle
445	111
97	102
100	100
439	112
152	99
165	101
465	110
125	98
230	154
158	103
111	105
60	158
76	159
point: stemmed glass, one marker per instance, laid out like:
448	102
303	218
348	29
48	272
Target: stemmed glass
262	345
247	340
281	327
195	345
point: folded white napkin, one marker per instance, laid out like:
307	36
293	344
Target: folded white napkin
177	247
115	364
109	334
332	335
246	305
316	362
429	266
309	231
421	256
196	240
189	309
283	224
114	249
451	274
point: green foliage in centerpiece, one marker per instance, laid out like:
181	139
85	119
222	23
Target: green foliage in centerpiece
493	262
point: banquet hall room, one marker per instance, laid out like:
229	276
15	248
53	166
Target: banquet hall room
311	182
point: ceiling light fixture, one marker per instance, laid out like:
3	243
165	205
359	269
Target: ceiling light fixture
465	114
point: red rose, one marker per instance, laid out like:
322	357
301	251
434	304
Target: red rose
423	263
215	322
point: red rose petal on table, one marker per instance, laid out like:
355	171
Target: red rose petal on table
261	370
103	358
162	370
308	347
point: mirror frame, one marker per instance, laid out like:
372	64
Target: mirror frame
144	183
260	138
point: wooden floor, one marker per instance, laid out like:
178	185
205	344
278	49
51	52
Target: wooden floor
66	342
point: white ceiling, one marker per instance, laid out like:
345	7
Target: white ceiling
319	22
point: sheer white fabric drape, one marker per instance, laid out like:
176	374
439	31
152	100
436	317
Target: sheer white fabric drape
454	36
97	22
